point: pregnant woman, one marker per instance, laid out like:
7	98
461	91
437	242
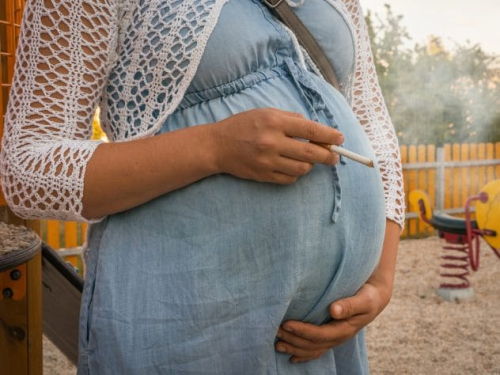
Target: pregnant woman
219	236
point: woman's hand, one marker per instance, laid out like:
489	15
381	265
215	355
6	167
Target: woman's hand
259	145
305	341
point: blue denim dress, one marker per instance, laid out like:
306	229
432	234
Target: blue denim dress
197	281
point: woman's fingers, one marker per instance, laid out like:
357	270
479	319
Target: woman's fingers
335	331
312	131
308	342
300	342
287	113
293	167
308	152
281	178
303	354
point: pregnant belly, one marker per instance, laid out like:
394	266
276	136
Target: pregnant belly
228	242
223	241
226	257
224	262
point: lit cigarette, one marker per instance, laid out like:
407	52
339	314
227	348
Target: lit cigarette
352	155
348	154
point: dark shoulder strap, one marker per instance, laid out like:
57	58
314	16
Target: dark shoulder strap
285	14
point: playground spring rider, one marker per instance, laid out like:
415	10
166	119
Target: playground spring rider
461	250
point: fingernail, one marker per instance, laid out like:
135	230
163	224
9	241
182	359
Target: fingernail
288	329
294	360
337	309
281	349
279	335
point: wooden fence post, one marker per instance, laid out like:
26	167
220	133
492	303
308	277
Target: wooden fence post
440	180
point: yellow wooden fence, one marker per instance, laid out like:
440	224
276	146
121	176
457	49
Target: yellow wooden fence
449	175
64	235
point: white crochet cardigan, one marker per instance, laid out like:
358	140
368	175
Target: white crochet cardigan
134	59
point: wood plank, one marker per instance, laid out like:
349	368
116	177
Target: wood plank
53	234
421	183
403	150
70	240
20	320
11	38
465	175
10	48
448	181
481	171
431	183
14	335
455	156
84	232
20	316
497	156
34	313
412	185
490	154
473	175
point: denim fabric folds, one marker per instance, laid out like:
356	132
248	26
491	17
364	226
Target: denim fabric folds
197	281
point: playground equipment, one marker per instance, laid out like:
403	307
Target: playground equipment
461	235
20	301
33	284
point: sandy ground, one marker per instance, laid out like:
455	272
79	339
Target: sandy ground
418	333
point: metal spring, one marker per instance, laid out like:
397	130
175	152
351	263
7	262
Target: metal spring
455	262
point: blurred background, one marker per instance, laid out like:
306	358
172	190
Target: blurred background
439	66
438	63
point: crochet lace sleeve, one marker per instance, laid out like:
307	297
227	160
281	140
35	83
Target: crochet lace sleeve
63	59
371	111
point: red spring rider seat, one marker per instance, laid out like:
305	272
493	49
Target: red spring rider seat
462	235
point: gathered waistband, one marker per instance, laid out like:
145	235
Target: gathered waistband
192	98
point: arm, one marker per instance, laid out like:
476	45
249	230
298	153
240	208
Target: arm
65	51
50	168
254	145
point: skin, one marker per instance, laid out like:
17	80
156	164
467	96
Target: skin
257	145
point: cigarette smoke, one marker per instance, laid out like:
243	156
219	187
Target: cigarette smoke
436	95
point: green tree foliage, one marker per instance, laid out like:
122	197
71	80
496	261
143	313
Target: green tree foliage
435	96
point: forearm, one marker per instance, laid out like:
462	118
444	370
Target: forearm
384	274
122	175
